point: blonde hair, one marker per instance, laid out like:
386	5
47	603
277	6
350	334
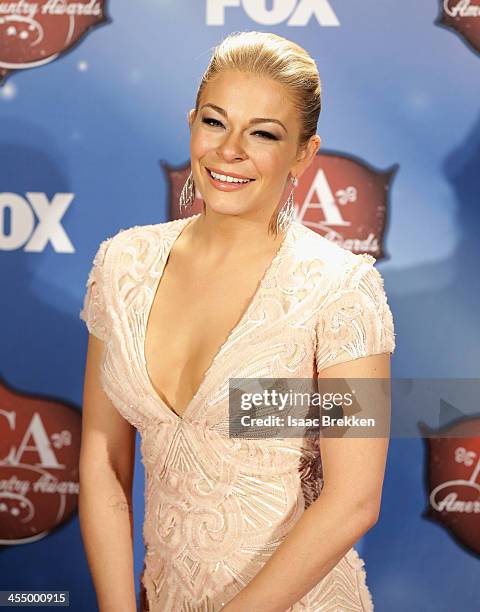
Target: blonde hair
269	55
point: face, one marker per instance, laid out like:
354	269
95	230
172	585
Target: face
226	137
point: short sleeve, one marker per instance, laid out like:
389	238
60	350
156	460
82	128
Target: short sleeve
95	303
355	319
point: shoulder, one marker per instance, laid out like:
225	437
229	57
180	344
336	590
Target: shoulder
139	232
337	266
353	316
136	241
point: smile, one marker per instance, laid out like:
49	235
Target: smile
224	182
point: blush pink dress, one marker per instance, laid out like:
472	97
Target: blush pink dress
216	507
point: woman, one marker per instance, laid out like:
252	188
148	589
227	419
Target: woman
241	290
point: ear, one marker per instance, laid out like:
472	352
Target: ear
305	156
191	117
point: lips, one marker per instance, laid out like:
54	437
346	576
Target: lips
232	174
227	186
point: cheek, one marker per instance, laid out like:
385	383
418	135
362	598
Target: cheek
268	164
199	145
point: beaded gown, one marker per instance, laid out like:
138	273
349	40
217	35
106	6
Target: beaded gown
217	507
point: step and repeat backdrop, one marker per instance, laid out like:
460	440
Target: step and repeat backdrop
94	138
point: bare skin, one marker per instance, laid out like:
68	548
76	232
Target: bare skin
107	458
203	301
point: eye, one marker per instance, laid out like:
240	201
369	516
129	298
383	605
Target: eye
207	120
215	122
266	135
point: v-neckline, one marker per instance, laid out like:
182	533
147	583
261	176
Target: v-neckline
158	277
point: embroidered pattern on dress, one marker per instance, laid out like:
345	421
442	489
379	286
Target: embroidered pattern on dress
216	508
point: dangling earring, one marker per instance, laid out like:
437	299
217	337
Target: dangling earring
187	197
287	213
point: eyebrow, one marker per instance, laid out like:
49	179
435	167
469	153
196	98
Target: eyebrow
252	121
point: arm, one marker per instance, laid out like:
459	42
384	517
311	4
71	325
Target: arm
347	508
105	506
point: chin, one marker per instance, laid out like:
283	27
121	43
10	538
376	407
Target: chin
226	208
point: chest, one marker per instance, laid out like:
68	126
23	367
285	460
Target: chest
178	342
192	315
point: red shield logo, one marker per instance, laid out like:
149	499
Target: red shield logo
39	455
463	17
453	481
35	33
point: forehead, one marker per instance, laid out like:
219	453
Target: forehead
245	95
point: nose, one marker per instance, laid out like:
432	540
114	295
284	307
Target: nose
231	148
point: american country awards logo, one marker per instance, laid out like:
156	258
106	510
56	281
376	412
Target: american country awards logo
463	17
452	480
35	33
339	196
39	457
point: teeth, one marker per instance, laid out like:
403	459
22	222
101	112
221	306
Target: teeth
227	179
